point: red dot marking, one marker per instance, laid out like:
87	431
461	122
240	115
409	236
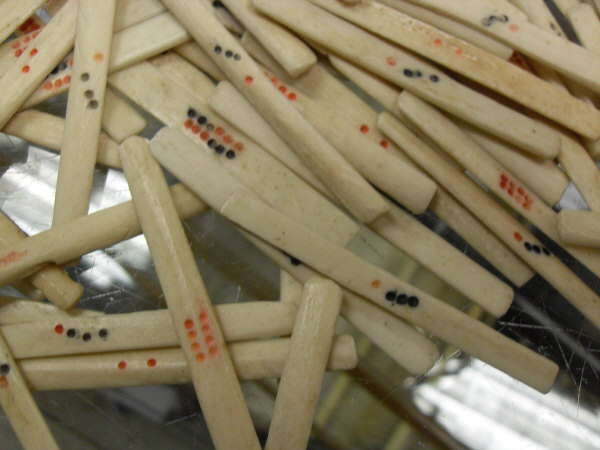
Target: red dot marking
188	123
58	83
228	139
274	80
195	346
291	96
282	89
16	45
3	382
71	62
214	351
206	329
391	61
200	357
514	28
25	69
238	146
459	51
67	79
48	85
376	284
188	324
364	129
27	39
219	131
204	135
33	52
203	317
438	42
248	80
98	57
209	340
521	191
151	362
59	329
122	365
18	53
195	129
384	144
518	236
192	334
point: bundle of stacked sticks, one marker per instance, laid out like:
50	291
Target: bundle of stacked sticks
299	163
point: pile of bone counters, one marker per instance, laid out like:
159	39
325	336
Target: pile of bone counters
286	152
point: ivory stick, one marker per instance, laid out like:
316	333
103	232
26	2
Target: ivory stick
586	25
476	64
290	289
20	407
85	234
565	5
132	12
27	73
579	228
563	56
51	280
46	130
227	101
504	225
60	336
333	261
53	6
344	182
302	376
185	74
16	311
84	110
405	345
119	119
194	54
410	72
249	163
196	324
252	360
451	27
13	13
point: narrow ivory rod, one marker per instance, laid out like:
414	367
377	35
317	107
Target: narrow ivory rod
197	327
132	12
19	406
53	281
253	360
478	65
294	55
579	228
410	72
194	54
119	119
28	72
17	311
248	162
85	234
337	263
85	104
302	376
451	26
13	13
405	345
497	179
290	289
587	25
351	189
46	130
503	224
60	336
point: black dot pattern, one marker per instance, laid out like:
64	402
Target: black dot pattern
396	298
536	249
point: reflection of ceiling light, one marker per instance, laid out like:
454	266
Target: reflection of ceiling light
104	272
486	409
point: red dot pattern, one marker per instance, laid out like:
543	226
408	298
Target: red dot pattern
59	329
218	133
29	25
285	90
209	340
515	191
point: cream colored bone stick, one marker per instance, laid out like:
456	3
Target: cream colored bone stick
504	225
413	73
452	27
500	181
194	54
119	119
132	12
405	345
27	72
13	13
51	280
586	25
290	289
579	228
46	130
565	57
302	376
253	360
85	234
333	261
195	322
84	110
253	166
20	407
476	64
59	336
16	311
294	55
353	192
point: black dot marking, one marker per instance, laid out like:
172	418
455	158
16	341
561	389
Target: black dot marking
210	127
89	93
219	149
63	65
218	49
390	296
85	76
103	333
211	143
54	71
413	301
86	336
528	246
418	73
237	57
228	54
434	78
401	299
192	113
218	4
488	21
295	261
4	369
230	154
546	251
202	120
409	73
71	332
537	249
93	104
